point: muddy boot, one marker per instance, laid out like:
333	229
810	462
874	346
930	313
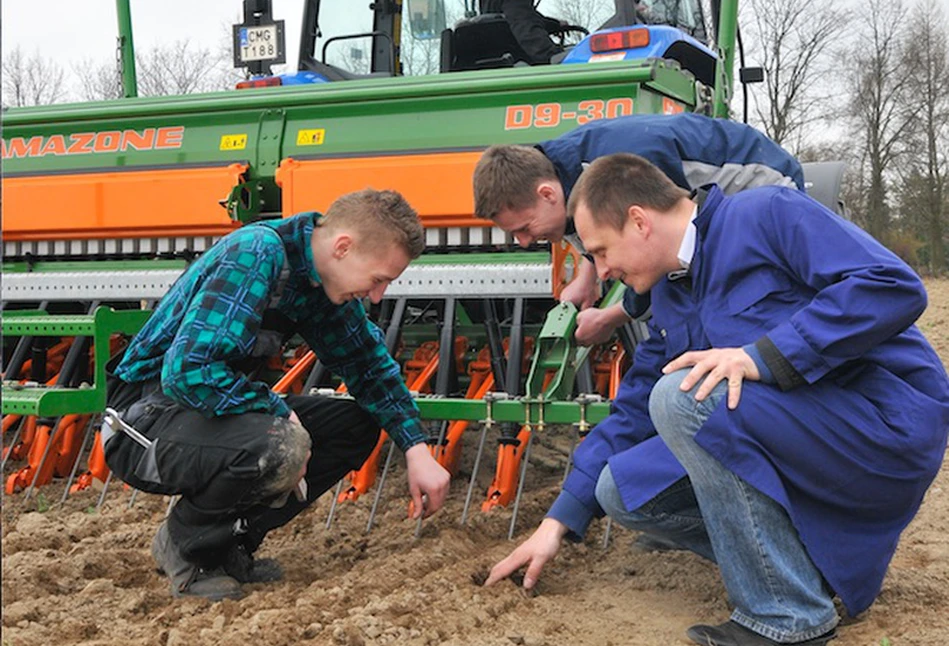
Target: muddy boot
242	566
187	579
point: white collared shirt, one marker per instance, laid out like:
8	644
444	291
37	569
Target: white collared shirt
687	248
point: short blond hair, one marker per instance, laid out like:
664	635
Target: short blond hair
381	217
611	184
506	177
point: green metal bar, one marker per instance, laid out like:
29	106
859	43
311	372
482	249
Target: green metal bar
725	67
126	49
461	84
52	402
473	410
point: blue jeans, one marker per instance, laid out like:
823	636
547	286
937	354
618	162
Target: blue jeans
774	586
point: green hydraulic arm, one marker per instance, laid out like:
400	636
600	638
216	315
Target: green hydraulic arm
555	350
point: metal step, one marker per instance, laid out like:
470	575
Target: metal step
435	238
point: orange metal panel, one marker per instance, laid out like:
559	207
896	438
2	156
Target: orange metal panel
437	185
131	204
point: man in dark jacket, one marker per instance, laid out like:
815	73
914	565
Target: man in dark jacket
524	189
531	29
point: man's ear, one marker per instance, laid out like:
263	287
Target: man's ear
342	245
546	191
639	220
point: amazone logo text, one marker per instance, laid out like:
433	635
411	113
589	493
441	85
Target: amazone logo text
84	143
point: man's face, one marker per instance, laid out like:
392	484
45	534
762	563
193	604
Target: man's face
628	255
360	271
546	219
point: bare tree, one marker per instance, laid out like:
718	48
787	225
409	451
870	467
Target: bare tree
927	68
881	111
31	80
585	13
794	41
98	81
180	68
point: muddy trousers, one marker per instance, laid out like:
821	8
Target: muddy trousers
215	465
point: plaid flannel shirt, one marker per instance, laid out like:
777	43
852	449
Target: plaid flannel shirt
210	317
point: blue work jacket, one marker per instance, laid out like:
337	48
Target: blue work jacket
854	431
691	149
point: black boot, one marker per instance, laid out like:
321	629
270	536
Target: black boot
733	634
188	579
242	566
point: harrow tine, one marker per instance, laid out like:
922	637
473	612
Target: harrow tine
132	498
489	399
474	473
16	438
573	446
520	485
382	481
606	532
82	449
50	440
105	490
333	505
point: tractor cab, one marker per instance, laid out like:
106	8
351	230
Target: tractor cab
636	30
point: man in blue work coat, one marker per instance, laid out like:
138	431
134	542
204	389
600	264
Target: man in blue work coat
784	418
524	189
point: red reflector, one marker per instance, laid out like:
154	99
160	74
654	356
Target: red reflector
270	81
625	39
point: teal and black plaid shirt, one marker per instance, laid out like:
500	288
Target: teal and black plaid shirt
209	320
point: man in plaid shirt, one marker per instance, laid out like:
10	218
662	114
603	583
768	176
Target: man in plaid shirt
224	441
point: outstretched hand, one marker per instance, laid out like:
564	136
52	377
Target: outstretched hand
733	364
542	546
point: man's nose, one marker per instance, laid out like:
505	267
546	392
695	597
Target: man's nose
524	239
602	271
377	292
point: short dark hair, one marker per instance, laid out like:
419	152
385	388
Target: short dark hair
381	217
506	177
611	184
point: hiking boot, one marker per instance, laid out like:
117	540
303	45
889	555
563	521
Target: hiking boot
242	566
733	634
652	543
188	579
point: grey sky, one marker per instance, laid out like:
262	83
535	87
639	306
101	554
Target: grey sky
70	31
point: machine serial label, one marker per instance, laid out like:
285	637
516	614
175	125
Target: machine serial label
311	137
551	115
233	142
84	143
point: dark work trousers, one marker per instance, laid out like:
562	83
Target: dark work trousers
214	464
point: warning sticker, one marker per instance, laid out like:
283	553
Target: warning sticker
233	142
311	137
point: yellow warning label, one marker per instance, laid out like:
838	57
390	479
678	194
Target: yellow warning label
233	142
310	137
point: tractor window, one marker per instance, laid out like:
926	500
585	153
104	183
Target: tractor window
421	52
684	14
351	54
